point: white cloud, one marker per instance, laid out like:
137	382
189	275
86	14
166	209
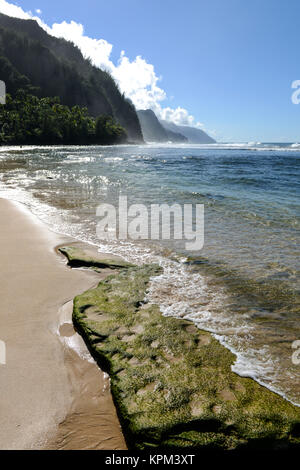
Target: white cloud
98	50
137	78
13	10
179	116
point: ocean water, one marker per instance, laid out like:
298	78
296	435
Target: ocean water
243	286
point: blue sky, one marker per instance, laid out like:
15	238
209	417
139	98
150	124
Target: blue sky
229	64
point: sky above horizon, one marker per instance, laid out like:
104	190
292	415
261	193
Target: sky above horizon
226	67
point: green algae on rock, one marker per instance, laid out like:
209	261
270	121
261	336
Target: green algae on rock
172	383
79	257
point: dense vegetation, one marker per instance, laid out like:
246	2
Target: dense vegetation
27	119
48	66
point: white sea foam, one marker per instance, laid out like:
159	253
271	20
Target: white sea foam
77	159
180	292
251	146
75	341
183	294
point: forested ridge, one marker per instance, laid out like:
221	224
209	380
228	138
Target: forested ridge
45	66
27	119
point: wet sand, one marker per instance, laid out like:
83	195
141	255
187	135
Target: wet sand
50	395
92	421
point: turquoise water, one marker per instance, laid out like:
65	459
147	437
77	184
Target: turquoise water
243	285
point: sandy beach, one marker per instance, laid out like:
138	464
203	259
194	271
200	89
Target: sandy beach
50	397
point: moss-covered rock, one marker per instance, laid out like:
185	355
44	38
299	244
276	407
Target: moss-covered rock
79	257
172	383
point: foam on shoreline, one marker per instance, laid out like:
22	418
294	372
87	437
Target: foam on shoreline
42	381
174	284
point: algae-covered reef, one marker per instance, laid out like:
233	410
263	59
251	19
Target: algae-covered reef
171	382
78	258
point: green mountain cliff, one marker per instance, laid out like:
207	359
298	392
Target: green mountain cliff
47	66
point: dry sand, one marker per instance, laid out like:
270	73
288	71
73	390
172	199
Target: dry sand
50	397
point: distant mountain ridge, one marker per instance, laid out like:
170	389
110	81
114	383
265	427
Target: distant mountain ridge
193	134
31	58
153	130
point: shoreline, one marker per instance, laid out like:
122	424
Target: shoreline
72	407
162	401
44	379
10	147
62	237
